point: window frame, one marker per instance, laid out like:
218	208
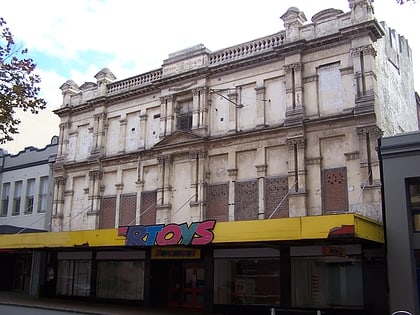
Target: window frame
43	194
30	196
414	211
17	197
5	200
185	115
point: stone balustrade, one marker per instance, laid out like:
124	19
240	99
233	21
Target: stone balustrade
246	49
134	82
222	56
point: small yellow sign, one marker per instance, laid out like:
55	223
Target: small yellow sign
175	253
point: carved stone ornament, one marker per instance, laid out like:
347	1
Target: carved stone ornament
299	142
367	50
293	66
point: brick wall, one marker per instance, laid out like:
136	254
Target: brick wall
128	209
246	200
217	202
334	187
148	208
107	220
275	189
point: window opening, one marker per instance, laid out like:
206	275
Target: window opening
185	116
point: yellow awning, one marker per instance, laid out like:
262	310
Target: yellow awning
299	228
310	227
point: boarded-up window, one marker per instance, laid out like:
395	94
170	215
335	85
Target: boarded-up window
107	220
276	198
128	209
246	200
217	202
330	87
334	187
148	207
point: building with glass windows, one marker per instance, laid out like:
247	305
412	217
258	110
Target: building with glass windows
401	184
236	181
26	183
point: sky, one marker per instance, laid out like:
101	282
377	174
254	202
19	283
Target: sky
76	39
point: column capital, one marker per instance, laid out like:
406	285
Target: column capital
165	158
298	141
293	66
366	50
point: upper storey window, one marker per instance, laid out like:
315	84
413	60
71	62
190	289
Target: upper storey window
330	87
5	199
185	115
17	198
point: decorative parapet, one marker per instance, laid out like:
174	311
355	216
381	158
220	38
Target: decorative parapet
246	50
324	24
134	82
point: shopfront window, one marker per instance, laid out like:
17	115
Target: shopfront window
74	273
332	278
120	275
414	202
246	279
120	280
74	277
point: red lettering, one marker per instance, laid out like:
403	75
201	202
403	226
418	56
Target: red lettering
204	233
170	235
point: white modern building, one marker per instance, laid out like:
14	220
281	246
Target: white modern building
26	183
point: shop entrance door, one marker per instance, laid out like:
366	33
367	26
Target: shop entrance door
186	285
22	273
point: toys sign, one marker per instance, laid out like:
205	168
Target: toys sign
197	233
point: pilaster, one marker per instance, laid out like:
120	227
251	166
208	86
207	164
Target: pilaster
261	120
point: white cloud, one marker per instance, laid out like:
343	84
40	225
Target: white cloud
50	84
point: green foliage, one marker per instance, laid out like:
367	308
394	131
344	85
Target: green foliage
18	84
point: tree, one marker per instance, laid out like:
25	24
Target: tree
18	84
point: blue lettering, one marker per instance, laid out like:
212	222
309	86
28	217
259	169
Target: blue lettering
188	232
152	231
135	236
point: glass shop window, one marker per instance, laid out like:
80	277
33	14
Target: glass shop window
73	277
327	281
120	279
247	281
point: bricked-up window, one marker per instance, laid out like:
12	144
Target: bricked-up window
334	188
276	197
414	202
218	202
108	208
185	116
330	86
148	207
246	200
128	209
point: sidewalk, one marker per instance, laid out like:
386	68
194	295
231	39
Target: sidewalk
86	307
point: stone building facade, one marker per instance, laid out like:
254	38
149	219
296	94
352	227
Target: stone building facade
276	129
